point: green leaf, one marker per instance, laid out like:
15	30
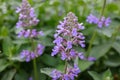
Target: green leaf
83	65
107	75
103	76
95	75
107	31
9	75
3	64
116	46
101	50
7	46
46	71
21	75
113	61
16	58
49	60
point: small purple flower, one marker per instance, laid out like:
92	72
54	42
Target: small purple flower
55	50
63	56
92	19
55	74
69	44
58	40
81	56
91	58
100	22
41	33
27	33
40	49
74	32
107	22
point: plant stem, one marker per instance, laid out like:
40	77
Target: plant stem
94	34
35	69
66	66
103	9
91	42
34	61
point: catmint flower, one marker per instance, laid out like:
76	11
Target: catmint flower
92	19
27	15
70	74
30	33
40	49
67	35
55	74
100	22
30	55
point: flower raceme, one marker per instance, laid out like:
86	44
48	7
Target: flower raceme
29	55
67	35
27	18
100	22
27	15
70	74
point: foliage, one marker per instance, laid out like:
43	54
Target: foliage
105	47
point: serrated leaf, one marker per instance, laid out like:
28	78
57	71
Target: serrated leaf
95	75
9	75
101	50
116	46
83	65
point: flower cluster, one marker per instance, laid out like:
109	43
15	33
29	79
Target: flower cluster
27	15
70	74
27	19
67	35
29	55
30	33
100	22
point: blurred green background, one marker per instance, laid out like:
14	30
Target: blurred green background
105	48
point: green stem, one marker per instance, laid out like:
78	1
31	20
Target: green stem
91	42
94	34
35	69
34	61
66	66
103	9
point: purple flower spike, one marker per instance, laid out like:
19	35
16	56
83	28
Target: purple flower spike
27	15
100	22
67	35
70	74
